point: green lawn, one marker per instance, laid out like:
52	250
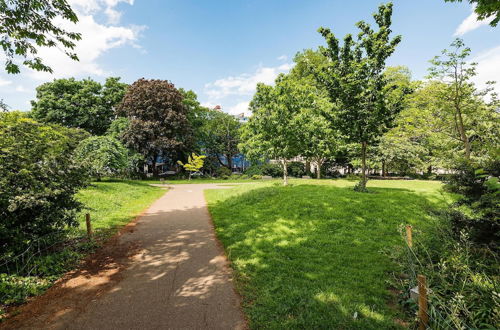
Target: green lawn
114	203
310	255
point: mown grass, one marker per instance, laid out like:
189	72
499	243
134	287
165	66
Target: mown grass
114	203
311	255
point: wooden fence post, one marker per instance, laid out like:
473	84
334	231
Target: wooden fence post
409	235
423	315
89	226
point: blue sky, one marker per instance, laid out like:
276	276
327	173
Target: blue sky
222	48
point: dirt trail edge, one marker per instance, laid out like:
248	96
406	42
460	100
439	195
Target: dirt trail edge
166	272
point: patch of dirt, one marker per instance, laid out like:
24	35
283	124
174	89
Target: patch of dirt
69	296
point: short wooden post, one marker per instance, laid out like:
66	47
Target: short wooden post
423	316
89	225
409	235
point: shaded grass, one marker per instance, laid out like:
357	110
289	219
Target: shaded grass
310	255
114	203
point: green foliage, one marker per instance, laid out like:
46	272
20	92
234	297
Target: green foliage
462	277
221	136
82	104
274	129
159	124
102	155
223	172
355	82
118	127
478	209
256	177
198	116
38	180
461	105
14	289
28	26
485	9
194	163
296	169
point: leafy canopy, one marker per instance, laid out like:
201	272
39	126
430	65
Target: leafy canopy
27	26
159	123
82	104
102	155
194	163
485	9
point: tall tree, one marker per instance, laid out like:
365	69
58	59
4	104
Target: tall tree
28	25
460	95
102	155
355	82
82	104
272	131
485	9
320	141
198	116
221	136
159	124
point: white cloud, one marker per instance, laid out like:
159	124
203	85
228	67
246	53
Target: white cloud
244	84
21	89
282	58
92	7
96	40
471	23
488	68
241	107
4	82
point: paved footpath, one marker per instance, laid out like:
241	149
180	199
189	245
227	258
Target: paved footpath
179	279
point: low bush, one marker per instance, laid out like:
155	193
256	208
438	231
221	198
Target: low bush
462	278
223	172
296	169
38	180
256	177
352	177
478	209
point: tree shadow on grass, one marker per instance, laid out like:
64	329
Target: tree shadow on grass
309	256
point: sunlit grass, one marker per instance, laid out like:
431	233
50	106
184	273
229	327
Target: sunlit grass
309	256
114	203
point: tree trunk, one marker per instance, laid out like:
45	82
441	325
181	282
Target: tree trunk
230	162
363	164
463	135
429	170
190	175
384	173
155	169
308	167
285	173
318	169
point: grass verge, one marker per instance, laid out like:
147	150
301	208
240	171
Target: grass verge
111	204
311	255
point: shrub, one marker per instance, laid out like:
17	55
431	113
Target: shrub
353	177
38	181
235	176
296	169
478	209
254	170
223	172
462	277
256	177
102	155
274	170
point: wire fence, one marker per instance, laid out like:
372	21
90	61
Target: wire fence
30	271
